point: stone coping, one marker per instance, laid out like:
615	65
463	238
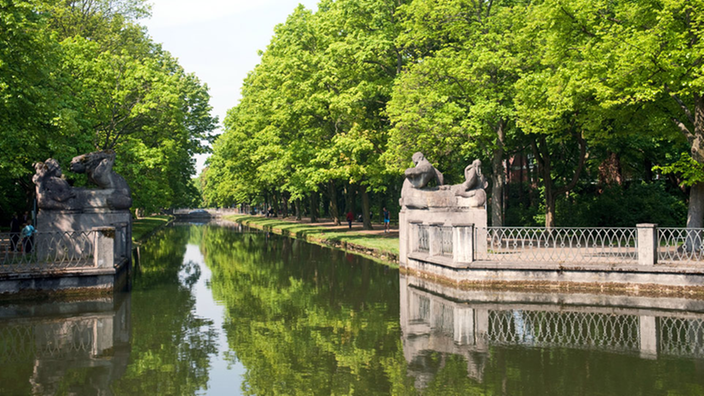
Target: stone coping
63	272
668	268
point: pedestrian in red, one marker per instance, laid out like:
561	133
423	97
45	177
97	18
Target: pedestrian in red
350	218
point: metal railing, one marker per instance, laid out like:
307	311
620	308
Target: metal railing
680	245
45	251
558	244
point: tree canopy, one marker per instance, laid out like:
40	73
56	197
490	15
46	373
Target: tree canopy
84	75
560	100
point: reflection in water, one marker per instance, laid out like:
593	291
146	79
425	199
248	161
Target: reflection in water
550	347
50	347
218	310
305	319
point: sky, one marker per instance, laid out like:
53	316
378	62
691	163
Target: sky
218	40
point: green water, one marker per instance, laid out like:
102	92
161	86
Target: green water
217	310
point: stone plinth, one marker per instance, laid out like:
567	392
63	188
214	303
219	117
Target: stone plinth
445	215
84	220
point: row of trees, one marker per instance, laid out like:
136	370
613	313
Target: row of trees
571	99
82	75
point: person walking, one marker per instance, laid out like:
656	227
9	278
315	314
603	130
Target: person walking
387	219
350	218
28	237
15	227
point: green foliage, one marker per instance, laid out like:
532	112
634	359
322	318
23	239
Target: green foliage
691	171
623	207
82	75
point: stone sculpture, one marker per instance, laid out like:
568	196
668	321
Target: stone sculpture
98	167
54	193
416	194
474	185
423	172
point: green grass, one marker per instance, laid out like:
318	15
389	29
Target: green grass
145	225
383	243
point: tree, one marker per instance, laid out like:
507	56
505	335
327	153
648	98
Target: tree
455	100
643	54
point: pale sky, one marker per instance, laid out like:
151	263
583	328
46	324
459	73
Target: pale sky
218	40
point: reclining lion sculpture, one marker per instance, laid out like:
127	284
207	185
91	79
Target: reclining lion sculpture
54	193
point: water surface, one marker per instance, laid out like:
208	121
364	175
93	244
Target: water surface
218	310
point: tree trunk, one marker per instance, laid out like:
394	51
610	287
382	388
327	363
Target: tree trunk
349	198
695	210
275	204
498	178
284	205
314	207
298	209
695	214
542	157
332	195
366	218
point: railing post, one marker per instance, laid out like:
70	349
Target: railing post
413	235
435	239
462	243
104	247
647	244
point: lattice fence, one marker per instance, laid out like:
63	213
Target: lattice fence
46	251
680	245
563	244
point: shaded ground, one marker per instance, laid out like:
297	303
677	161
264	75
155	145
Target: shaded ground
374	242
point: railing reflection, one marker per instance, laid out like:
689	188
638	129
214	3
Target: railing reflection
58	337
433	323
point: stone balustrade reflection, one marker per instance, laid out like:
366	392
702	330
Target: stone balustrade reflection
470	323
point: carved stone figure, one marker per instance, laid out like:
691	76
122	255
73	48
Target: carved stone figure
54	193
98	167
416	194
423	172
417	179
474	185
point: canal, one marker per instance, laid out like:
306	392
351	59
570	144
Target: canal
223	310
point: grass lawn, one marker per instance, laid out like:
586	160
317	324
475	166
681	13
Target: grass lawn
387	243
145	225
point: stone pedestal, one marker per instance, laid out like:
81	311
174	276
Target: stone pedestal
70	233
443	215
84	220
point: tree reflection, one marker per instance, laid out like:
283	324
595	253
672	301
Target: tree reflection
171	346
304	320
